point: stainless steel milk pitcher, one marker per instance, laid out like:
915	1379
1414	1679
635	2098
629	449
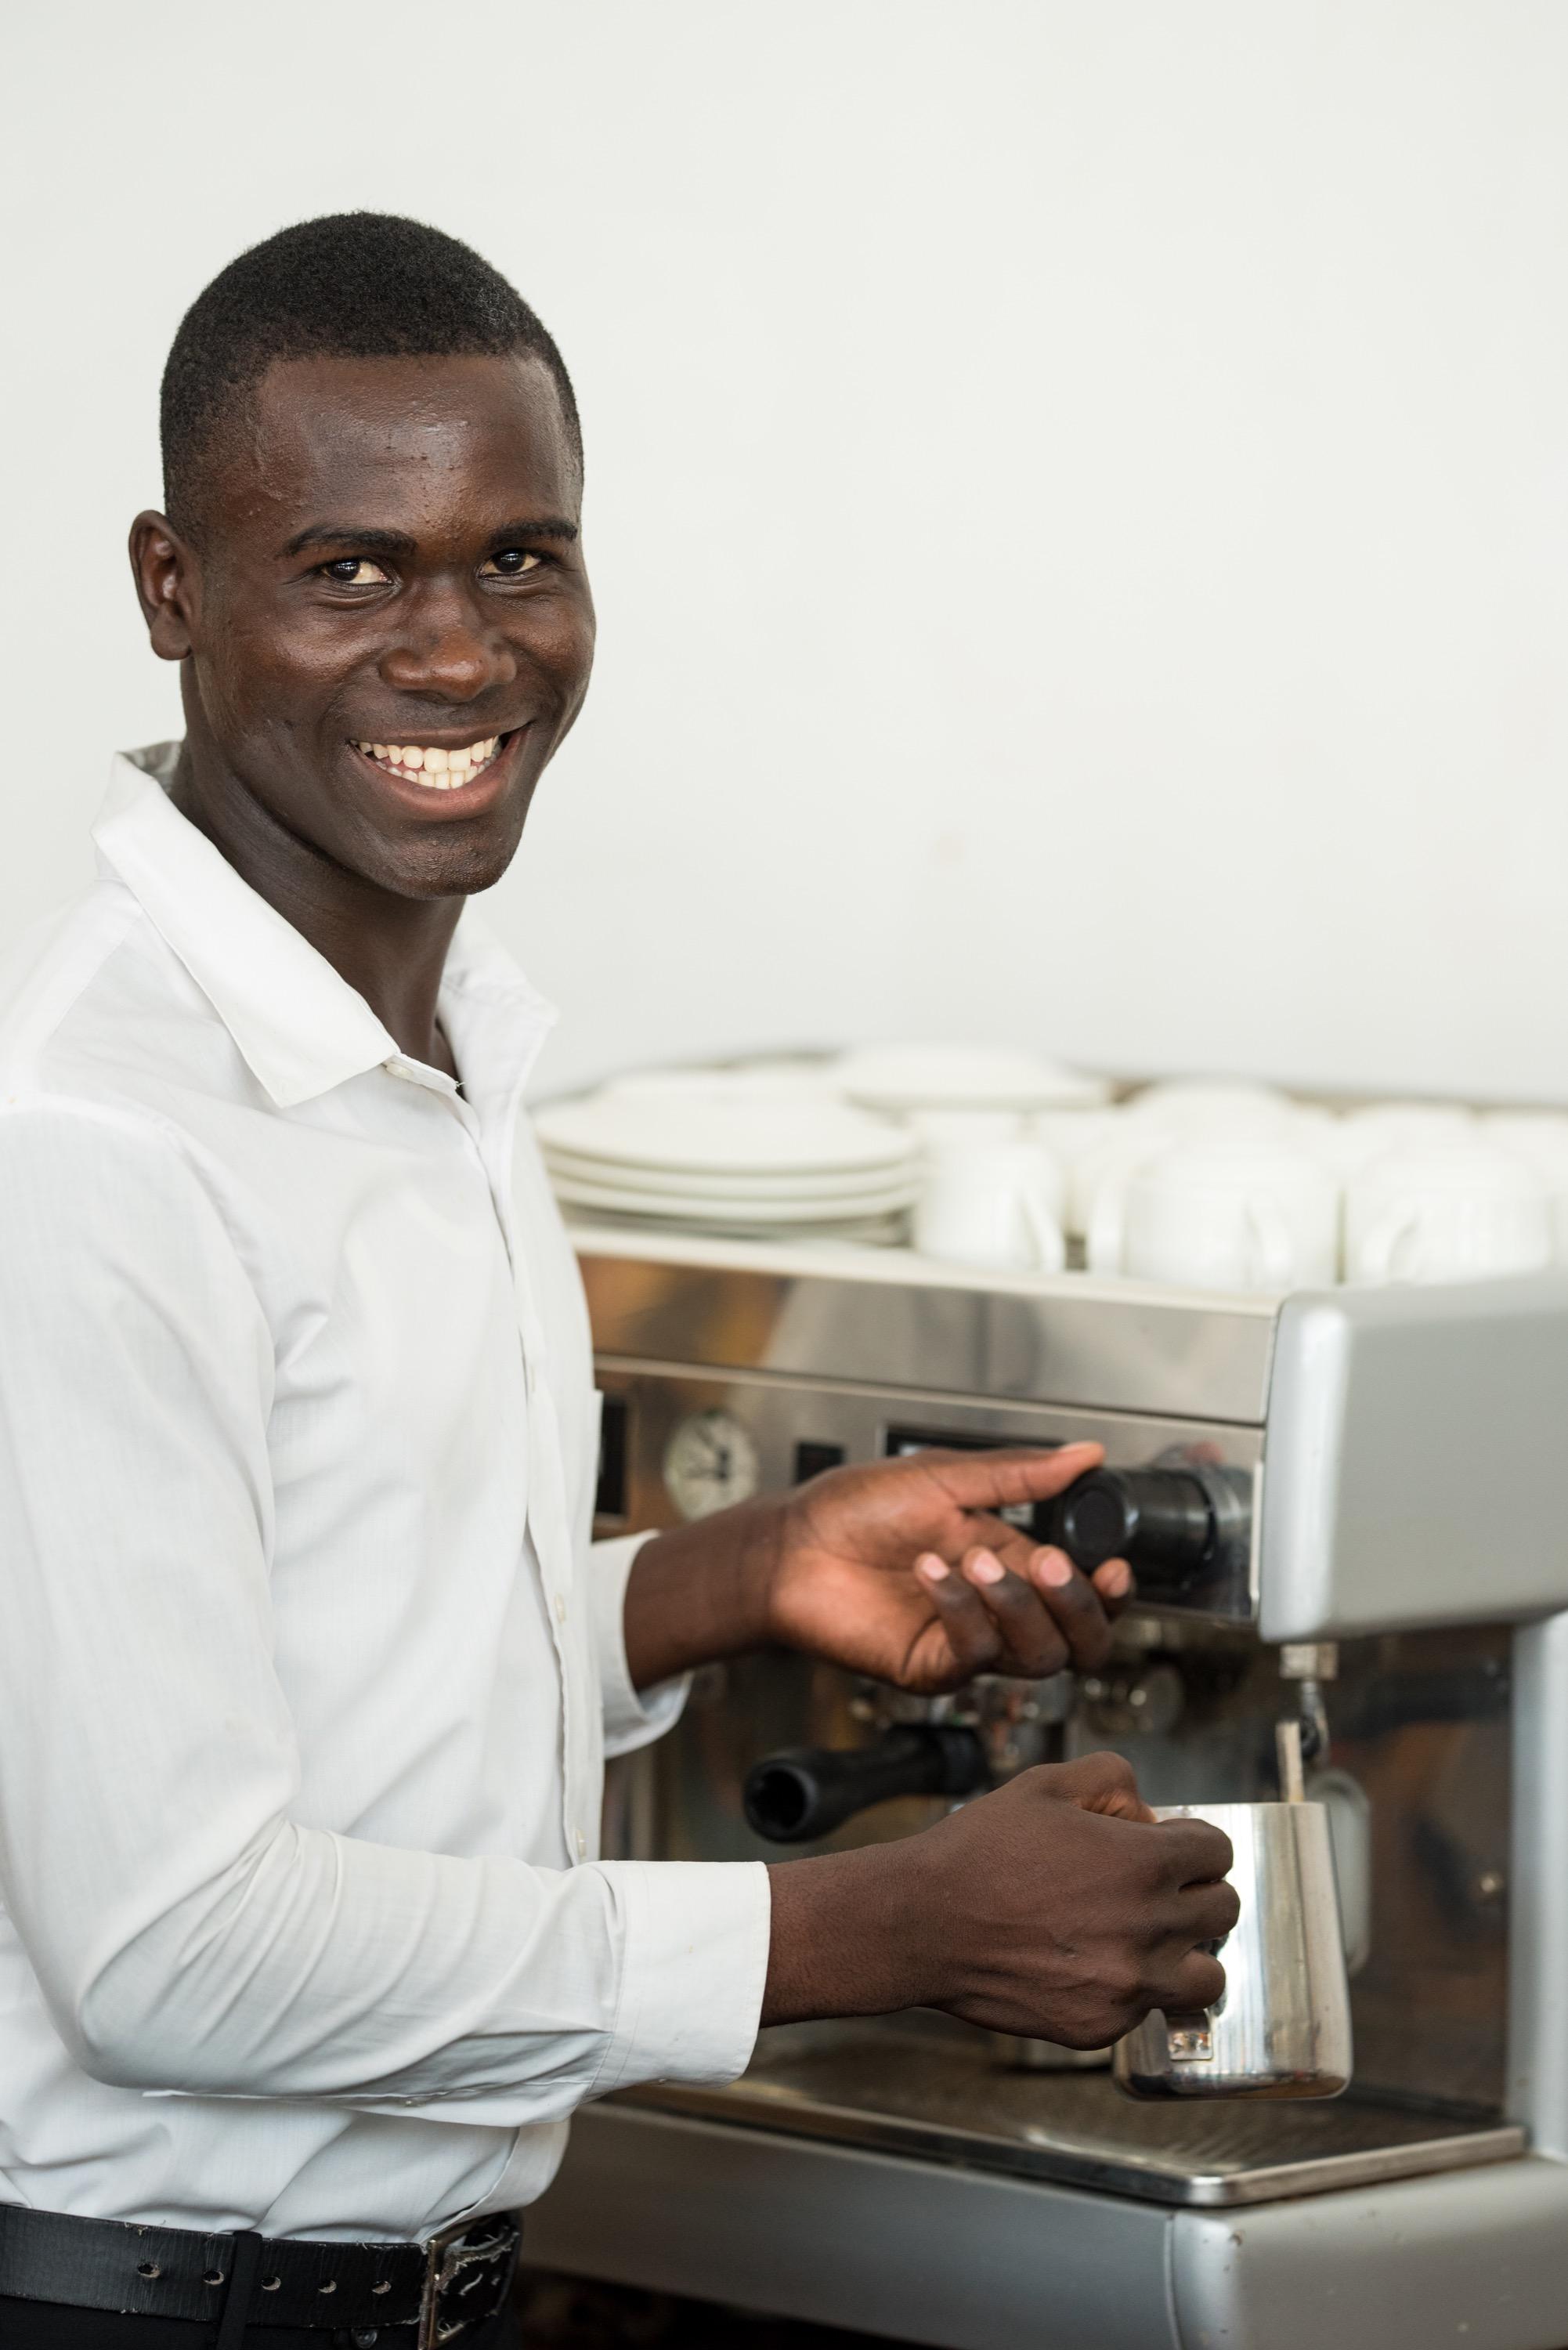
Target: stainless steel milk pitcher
1282	2027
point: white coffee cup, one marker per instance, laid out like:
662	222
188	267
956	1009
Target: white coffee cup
1456	1214
1379	1128
940	1130
1209	1102
1540	1137
993	1205
1207	1118
1072	1137
1247	1217
1111	1157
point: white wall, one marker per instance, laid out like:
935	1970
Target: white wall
1078	490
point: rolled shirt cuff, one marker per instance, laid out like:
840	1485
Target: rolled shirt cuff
631	1719
696	1959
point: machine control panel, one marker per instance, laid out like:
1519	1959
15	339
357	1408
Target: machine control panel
1177	1501
1183	1523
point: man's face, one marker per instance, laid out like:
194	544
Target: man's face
385	625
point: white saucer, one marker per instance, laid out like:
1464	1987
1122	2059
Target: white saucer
570	1167
753	1211
717	1137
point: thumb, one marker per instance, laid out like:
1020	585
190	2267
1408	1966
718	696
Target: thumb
1105	1783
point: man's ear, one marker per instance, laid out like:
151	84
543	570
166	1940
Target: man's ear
163	566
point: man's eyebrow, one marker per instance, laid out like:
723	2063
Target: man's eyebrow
332	533
375	541
541	526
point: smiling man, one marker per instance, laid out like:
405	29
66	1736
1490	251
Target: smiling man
309	1666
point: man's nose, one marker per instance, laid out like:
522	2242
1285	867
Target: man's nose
447	649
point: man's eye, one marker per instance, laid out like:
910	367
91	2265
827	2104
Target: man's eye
511	563
354	571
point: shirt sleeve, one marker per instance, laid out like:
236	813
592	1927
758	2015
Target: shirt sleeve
189	1934
632	1718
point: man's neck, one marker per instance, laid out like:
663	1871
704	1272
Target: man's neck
391	950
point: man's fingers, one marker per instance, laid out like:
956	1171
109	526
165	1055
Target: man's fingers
1114	1583
1077	1606
1197	1980
1004	1479
1032	1646
1073	1603
1194	1852
1209	1912
971	1629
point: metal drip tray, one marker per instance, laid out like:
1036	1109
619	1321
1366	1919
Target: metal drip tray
945	2100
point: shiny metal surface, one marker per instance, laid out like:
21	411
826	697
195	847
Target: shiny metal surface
1282	2028
1418	1719
778	1416
915	2093
847	2235
1100	1346
1412	1449
966	2258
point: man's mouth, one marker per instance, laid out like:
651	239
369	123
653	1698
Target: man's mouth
427	764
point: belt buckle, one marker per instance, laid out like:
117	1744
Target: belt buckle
459	2262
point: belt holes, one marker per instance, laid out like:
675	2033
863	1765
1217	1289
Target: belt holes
385	2286
331	2286
271	2284
148	2268
214	2276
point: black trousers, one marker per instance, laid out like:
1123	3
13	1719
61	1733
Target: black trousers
47	2325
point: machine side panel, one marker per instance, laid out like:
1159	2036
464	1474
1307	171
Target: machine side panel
1538	1940
915	2250
1411	1467
1473	2257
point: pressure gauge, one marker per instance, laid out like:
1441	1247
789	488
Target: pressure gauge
710	1463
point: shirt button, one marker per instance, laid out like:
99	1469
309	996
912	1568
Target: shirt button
560	1607
582	1844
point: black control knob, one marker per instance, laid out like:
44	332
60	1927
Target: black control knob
1161	1521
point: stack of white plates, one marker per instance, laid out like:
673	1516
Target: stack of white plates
730	1162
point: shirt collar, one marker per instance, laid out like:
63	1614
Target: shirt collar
299	1026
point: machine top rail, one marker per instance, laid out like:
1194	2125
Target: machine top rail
880	1319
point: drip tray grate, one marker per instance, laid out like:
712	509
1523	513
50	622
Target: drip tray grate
947	2100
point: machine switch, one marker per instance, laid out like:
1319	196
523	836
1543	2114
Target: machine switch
1161	1521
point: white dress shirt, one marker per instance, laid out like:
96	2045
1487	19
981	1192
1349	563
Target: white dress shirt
306	1662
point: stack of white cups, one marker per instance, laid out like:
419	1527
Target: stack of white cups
1236	1186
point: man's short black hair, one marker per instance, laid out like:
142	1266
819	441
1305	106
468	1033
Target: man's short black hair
349	285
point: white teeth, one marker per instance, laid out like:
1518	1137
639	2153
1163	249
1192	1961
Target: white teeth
437	770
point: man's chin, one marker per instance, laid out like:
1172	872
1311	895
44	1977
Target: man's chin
444	869
446	860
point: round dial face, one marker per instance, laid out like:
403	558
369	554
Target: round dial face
709	1463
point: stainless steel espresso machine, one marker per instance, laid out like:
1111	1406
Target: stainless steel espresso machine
1346	1511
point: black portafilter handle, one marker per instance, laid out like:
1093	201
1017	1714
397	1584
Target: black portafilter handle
1161	1521
806	1792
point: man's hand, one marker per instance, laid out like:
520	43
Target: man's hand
902	1570
905	1570
1057	1908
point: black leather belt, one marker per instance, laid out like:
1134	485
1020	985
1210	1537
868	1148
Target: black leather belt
444	2287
